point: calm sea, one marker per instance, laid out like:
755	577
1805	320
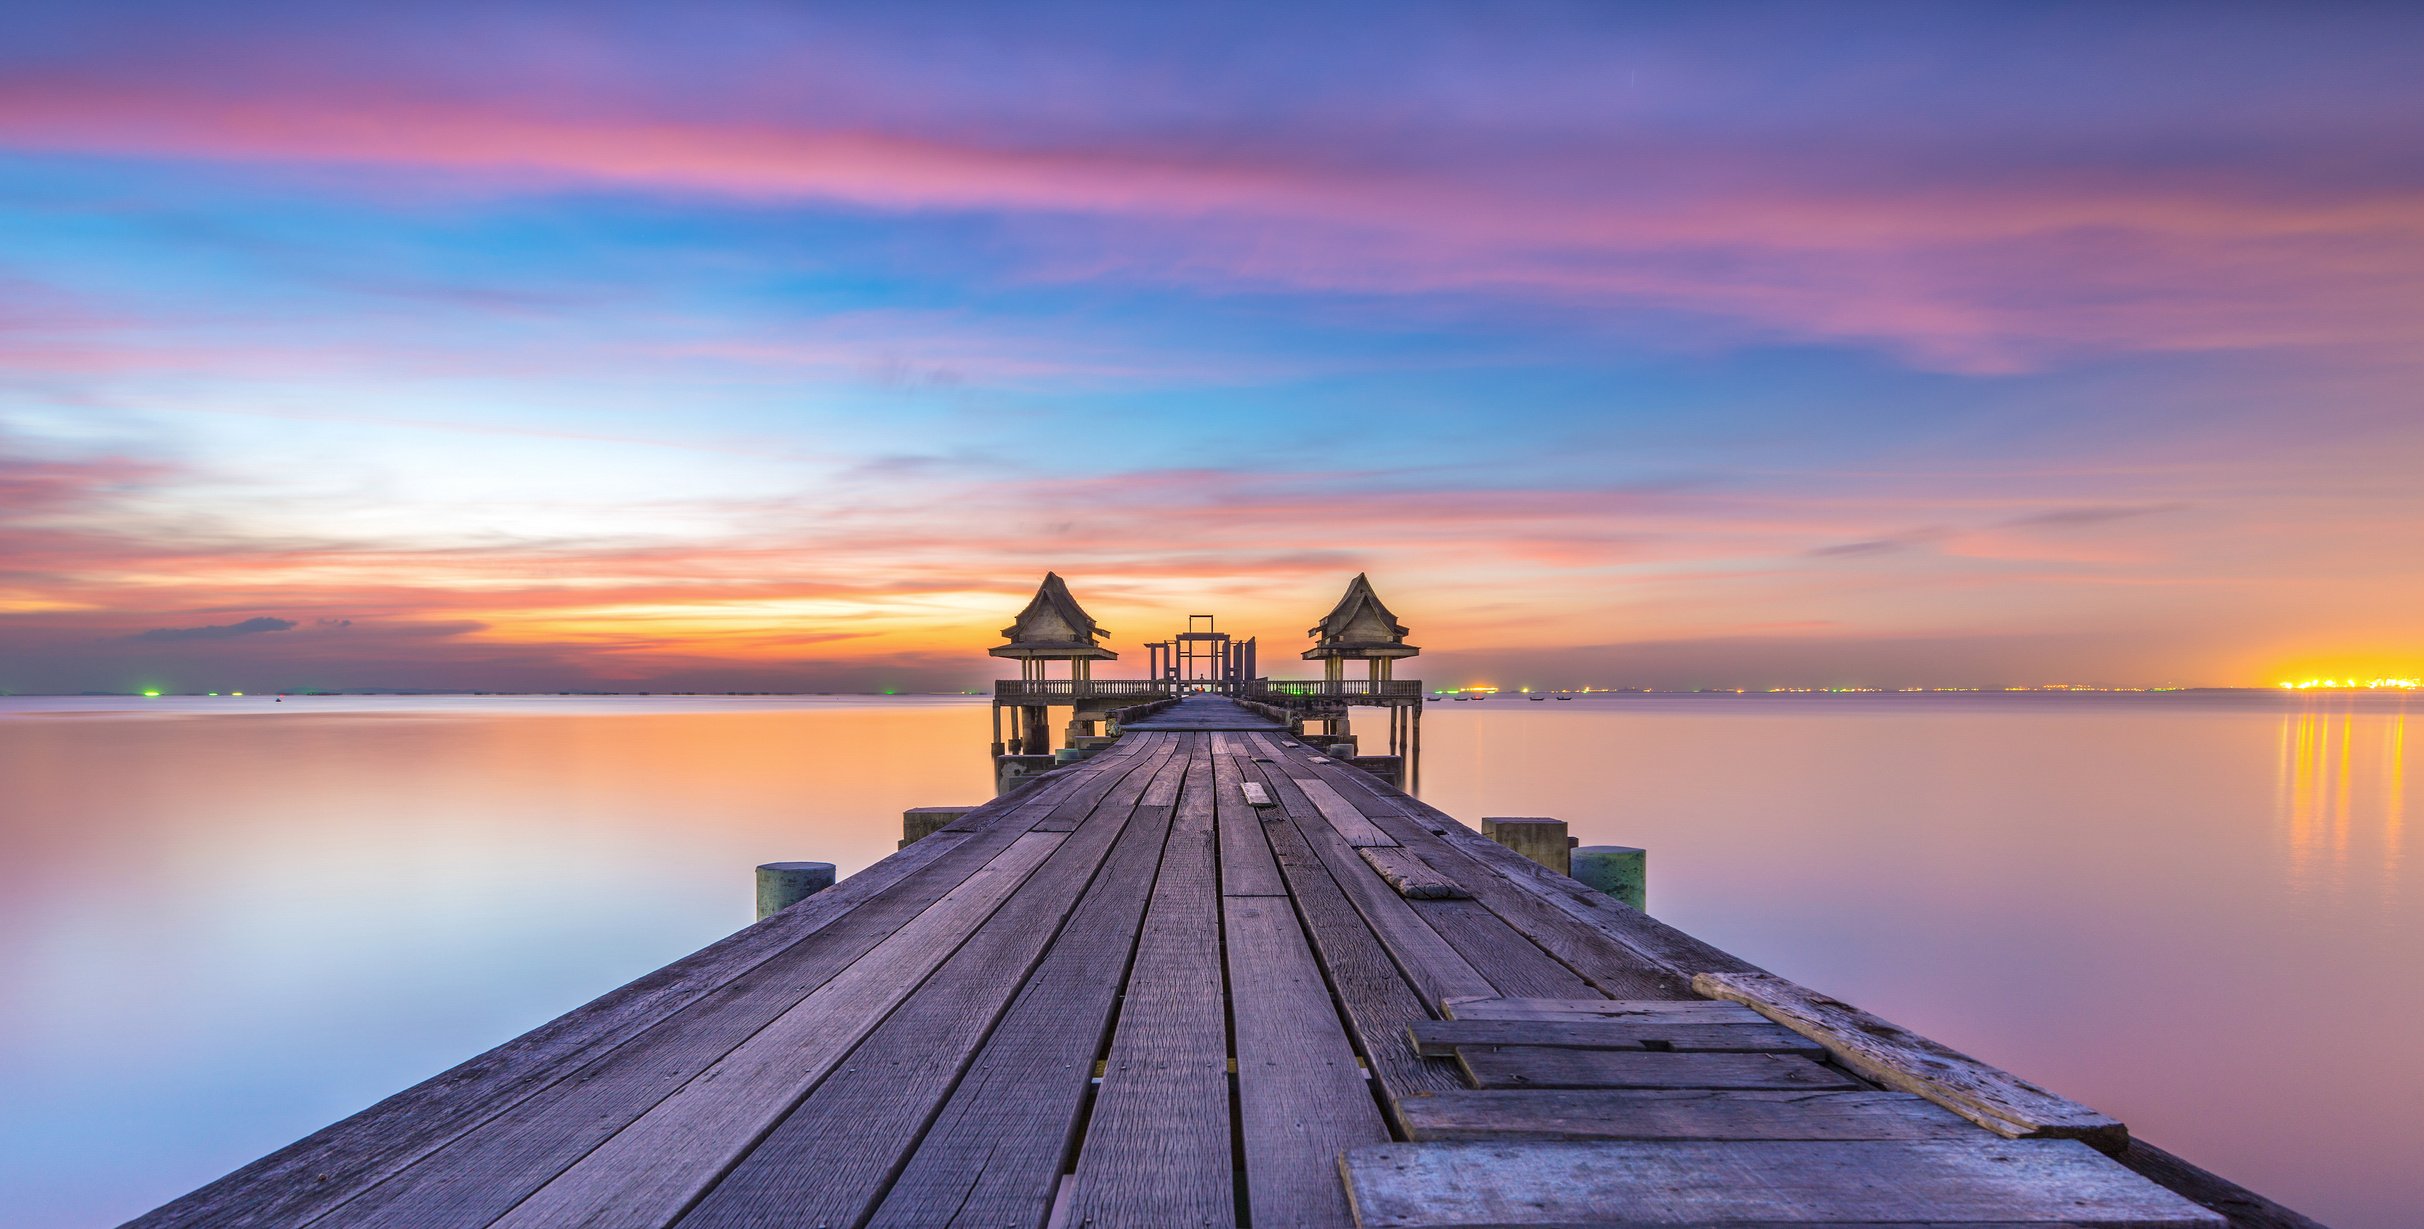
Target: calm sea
227	922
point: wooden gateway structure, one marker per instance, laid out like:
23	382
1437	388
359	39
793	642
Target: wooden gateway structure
1211	975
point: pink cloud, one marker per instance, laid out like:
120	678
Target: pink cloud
1953	268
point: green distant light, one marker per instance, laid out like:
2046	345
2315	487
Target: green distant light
151	694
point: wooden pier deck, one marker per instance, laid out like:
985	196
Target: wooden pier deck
1129	996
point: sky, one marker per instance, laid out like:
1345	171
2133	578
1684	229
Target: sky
784	347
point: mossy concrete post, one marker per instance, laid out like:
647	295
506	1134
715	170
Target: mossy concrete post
920	822
1620	871
1541	839
781	885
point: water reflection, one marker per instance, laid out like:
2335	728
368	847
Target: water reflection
224	924
2338	834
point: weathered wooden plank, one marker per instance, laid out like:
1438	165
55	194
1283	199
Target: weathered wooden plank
1599	946
1437	970
1301	1097
1692	1182
1549	1067
1511	962
2243	1208
994	1154
831	1158
1246	868
665	1158
1678	1113
1439	1038
1411	876
1677	1011
331	1166
1342	814
529	1143
1157	1150
1378	1000
1898	1058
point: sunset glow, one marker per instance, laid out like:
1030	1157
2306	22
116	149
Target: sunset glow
773	348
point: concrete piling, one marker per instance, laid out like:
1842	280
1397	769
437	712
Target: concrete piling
781	885
1621	871
1541	839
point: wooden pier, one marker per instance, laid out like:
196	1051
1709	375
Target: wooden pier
1210	975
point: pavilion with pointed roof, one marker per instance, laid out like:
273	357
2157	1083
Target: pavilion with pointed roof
1054	627
1360	627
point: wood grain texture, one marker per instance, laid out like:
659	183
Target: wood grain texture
1693	1113
1157	1145
1440	1038
993	1156
1898	1058
2241	1207
1511	962
1378	1001
482	1172
1618	950
1415	1186
1436	969
1675	1011
308	1178
1343	815
1547	1067
831	1158
1246	868
1302	1100
1411	876
656	1165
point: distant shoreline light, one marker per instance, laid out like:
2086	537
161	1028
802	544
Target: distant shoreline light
2390	684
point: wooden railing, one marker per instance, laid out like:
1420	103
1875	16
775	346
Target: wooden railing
1064	691
1341	687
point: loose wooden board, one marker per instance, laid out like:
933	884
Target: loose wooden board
1376	996
1678	1113
1436	969
1665	1011
1440	1038
1411	876
1519	891
1246	868
1351	823
1546	1067
1898	1058
1627	1183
